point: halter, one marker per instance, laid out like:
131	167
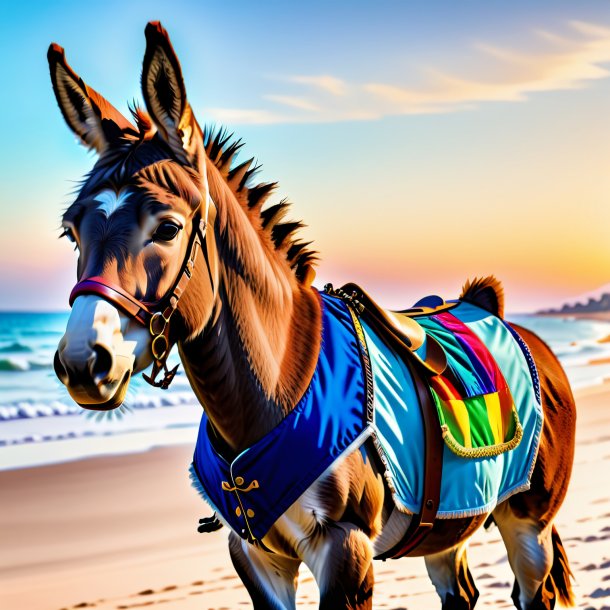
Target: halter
154	315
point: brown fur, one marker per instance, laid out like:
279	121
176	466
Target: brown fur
259	283
553	465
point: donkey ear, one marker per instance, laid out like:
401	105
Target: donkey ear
90	116
165	98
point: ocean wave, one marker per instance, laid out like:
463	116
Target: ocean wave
39	365
14	365
16	348
42	332
580	349
22	365
30	409
39	438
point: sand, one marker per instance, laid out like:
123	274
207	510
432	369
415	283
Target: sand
120	532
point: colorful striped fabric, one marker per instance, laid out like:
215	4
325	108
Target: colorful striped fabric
475	406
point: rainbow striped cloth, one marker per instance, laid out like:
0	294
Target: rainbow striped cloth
474	403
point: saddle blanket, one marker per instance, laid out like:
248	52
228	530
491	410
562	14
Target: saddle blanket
469	486
361	389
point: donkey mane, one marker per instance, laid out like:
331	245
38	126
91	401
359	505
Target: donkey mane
222	148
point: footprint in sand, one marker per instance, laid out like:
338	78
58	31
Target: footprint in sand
602	566
485	576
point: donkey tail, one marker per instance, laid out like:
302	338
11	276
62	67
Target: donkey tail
485	292
561	572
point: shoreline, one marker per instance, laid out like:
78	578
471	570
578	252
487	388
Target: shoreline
120	532
594	316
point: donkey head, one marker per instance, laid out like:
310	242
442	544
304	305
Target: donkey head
141	220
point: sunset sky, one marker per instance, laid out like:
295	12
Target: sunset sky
422	142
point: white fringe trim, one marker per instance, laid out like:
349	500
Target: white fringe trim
198	487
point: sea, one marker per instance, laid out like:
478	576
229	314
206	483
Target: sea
40	424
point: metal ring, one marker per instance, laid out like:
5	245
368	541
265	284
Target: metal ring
157	324
159	347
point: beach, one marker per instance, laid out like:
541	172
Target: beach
120	532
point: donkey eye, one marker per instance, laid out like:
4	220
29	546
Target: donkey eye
166	231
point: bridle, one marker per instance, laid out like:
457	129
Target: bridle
158	314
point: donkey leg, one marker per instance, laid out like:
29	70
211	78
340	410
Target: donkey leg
341	559
452	579
271	580
532	550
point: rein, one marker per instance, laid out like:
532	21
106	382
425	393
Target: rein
154	315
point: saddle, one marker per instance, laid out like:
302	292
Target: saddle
400	328
425	357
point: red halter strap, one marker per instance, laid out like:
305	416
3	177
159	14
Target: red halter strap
155	315
101	287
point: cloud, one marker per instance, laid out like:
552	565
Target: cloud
567	64
325	82
293	102
245	116
570	60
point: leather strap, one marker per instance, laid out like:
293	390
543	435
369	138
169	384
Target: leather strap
422	522
101	287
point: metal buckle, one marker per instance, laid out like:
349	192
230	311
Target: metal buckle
159	347
157	324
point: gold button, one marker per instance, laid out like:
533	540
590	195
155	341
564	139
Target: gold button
239	480
238	511
250	513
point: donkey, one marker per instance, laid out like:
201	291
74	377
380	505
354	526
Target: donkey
176	248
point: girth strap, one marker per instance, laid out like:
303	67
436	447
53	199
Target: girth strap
422	522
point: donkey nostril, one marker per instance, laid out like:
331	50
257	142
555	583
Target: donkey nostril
60	369
101	363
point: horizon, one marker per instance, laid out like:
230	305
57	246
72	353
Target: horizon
422	144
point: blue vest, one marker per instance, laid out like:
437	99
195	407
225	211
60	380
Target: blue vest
333	416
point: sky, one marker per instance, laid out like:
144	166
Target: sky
421	142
